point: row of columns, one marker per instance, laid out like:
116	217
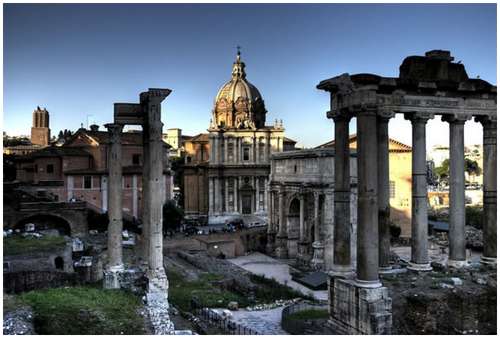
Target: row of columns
153	192
373	237
220	149
219	202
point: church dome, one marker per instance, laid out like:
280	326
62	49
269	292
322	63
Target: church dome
238	103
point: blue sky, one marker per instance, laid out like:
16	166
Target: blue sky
77	60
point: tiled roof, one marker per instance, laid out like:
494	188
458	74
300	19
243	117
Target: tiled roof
400	147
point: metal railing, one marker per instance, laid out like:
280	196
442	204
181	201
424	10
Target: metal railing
294	326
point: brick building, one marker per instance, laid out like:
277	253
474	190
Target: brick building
78	170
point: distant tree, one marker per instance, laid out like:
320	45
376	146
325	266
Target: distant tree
472	167
443	171
172	216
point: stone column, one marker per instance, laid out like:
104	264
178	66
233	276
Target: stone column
367	237
489	189
266	196
226	154
226	193
342	184
302	231
216	149
419	214
145	201
217	206
235	202
282	237
384	208
318	256
151	101
115	201
235	150
456	235
210	195
270	225
257	193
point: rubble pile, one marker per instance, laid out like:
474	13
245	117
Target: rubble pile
19	322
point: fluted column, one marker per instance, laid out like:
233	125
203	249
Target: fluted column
115	201
419	213
456	235
342	192
367	237
489	189
318	247
210	195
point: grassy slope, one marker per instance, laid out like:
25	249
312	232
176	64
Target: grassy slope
18	245
85	310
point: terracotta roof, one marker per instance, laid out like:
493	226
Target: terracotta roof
353	137
58	152
102	137
203	137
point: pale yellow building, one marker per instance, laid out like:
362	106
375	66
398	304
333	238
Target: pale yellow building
399	181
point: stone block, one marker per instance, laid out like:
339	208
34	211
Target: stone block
358	310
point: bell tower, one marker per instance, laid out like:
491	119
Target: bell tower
40	131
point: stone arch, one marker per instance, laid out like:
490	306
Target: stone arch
46	221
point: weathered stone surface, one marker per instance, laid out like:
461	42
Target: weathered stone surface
356	310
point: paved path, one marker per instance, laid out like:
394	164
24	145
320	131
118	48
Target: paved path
261	264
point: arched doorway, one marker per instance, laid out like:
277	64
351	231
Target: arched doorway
293	227
59	263
246	193
46	224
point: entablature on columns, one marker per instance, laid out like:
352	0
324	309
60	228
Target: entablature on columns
426	84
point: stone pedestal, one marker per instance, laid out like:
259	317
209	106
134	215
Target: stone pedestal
303	255
111	278
318	261
358	310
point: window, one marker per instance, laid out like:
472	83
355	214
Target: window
246	154
36	168
188	159
87	182
392	189
50	168
136	159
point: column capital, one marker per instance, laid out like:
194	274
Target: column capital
384	115
418	117
337	115
115	131
455	118
486	120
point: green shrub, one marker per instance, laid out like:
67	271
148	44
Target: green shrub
474	216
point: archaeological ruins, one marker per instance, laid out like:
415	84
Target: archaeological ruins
427	86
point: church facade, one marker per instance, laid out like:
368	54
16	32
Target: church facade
240	145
